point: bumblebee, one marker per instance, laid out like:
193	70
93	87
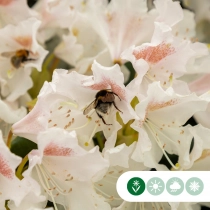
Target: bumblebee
104	99
18	58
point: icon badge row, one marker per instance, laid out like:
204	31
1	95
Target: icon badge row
174	186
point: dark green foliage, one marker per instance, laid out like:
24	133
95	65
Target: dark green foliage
21	146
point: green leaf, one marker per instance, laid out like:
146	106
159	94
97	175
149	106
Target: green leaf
132	72
21	146
38	80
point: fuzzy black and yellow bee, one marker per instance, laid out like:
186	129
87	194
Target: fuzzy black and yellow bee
104	99
18	57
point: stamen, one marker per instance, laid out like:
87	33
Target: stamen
88	121
115	177
153	206
43	172
52	181
135	205
150	78
108	196
158	206
140	205
45	187
153	124
161	206
160	144
171	79
87	143
105	180
69	103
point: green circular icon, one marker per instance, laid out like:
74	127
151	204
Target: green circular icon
136	186
155	186
194	186
175	186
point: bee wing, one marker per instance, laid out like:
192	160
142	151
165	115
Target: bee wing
89	107
7	54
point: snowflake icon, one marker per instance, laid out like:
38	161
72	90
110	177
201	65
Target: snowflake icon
194	186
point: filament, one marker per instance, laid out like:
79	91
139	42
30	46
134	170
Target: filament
48	182
160	145
150	122
69	103
150	78
105	194
135	205
153	206
110	175
82	126
91	136
46	187
105	180
161	206
53	182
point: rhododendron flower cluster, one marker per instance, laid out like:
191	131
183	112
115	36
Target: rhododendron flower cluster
90	89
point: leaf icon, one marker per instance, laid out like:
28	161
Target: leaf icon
135	190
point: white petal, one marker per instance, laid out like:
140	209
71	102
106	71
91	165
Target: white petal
169	12
10	115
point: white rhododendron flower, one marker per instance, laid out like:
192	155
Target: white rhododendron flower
119	162
201	9
202	164
10	113
14	11
160	131
121	24
58	108
169	12
53	166
20	52
160	54
201	86
82	46
57	15
201	143
146	206
92	89
8	179
69	50
52	15
185	29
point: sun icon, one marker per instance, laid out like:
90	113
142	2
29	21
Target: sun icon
155	186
